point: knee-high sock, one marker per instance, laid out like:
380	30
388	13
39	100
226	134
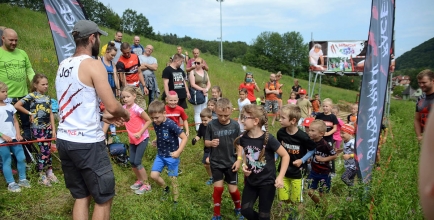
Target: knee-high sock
236	198
217	196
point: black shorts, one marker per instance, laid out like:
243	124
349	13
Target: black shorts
229	176
87	170
183	103
205	155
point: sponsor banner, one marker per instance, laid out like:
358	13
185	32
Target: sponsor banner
374	85
62	15
345	49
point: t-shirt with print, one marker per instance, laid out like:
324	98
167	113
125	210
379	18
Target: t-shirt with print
263	172
223	156
329	121
131	68
7	121
176	79
175	113
297	145
40	107
15	66
323	149
349	149
135	124
201	134
167	137
304	105
272	86
423	107
137	49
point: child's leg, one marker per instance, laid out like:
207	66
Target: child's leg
217	176
231	178
5	155
250	195
44	157
157	167
266	197
21	164
205	161
173	166
175	189
138	152
313	185
348	176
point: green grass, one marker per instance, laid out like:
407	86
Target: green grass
393	190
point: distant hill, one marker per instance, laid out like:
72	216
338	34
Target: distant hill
421	56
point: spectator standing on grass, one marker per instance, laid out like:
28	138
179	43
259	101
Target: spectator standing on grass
271	98
424	103
81	83
174	79
250	85
15	75
191	65
199	80
43	126
185	57
137	48
296	88
148	67
118	42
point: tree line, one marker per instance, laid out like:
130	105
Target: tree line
269	51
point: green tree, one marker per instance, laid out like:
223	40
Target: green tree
134	23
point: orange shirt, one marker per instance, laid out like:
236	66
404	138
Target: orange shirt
315	105
272	86
131	68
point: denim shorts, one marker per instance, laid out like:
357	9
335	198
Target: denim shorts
323	181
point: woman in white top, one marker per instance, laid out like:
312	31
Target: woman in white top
199	80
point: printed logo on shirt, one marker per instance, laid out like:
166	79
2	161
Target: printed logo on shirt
222	133
252	156
165	133
292	149
15	70
178	80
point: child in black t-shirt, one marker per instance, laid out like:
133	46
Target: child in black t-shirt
206	117
300	148
224	159
320	173
259	167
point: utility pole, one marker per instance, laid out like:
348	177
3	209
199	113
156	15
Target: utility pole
221	31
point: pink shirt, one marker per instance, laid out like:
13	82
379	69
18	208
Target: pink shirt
135	124
337	134
292	101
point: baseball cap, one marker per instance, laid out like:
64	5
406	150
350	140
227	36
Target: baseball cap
86	28
307	121
302	92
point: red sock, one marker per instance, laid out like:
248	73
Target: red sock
217	196
236	198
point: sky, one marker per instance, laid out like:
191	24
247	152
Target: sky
244	20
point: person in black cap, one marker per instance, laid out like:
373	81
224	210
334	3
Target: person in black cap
81	82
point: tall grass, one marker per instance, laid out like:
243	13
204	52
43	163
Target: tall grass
392	192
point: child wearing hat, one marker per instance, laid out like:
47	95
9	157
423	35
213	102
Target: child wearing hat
347	134
305	107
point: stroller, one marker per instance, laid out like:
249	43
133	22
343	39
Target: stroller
119	154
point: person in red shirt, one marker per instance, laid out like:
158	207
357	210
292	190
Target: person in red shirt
250	85
175	112
129	65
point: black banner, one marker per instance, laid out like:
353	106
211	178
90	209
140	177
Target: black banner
62	15
374	85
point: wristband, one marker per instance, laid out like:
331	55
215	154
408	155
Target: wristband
239	158
30	113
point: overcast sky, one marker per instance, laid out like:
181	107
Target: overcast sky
244	20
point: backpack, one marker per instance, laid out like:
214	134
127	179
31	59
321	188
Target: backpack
268	86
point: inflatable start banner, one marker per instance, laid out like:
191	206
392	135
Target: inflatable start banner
374	85
62	15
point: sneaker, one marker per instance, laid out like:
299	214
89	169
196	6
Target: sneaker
165	194
52	178
44	180
144	188
209	182
216	217
14	187
193	141
136	185
238	214
24	183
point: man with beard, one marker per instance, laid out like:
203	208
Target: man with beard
81	83
128	68
15	66
174	79
424	103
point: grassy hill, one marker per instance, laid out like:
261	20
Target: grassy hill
393	191
421	56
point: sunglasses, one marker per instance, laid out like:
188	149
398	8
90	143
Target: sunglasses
197	63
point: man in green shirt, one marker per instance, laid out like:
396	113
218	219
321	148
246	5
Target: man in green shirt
15	66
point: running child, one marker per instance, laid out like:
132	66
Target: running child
242	101
169	147
259	167
300	148
216	92
42	125
206	117
324	153
137	128
352	118
292	99
347	134
337	135
211	105
225	159
10	132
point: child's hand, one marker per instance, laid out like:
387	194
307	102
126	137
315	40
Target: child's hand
279	183
215	142
175	154
339	150
297	163
246	170
207	160
7	138
187	133
319	158
53	136
346	156
236	166
154	143
19	137
137	135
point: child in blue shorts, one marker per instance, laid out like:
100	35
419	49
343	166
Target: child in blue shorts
320	173
169	148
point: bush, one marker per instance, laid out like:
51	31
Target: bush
397	90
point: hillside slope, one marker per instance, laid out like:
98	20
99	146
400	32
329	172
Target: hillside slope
421	56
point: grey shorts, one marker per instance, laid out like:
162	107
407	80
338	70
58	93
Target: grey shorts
274	106
87	170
